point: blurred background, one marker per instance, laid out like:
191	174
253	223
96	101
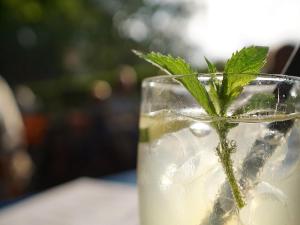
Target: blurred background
70	86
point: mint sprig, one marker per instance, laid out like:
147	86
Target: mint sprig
240	70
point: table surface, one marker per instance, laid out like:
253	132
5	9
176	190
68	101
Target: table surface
111	201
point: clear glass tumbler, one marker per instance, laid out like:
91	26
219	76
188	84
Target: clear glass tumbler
183	181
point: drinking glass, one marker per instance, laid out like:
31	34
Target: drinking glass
181	179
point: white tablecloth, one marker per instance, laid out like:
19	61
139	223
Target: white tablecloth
84	201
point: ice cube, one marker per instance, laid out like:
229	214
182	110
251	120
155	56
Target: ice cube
286	158
266	205
244	136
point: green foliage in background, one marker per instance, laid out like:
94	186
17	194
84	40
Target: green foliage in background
56	43
59	45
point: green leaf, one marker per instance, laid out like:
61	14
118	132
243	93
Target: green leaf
244	65
213	94
240	70
177	66
211	67
214	86
167	63
198	91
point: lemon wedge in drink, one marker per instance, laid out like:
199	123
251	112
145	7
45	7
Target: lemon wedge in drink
155	125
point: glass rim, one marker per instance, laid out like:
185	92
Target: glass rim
206	76
171	80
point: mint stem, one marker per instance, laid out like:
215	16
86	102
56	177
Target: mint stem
224	150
